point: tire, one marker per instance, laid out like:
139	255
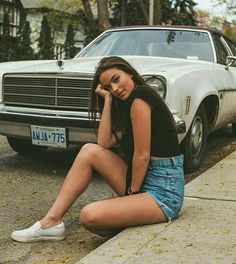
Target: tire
193	146
24	147
234	128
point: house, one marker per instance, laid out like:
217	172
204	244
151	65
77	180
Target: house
13	8
35	11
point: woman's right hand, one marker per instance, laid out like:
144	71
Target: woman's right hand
99	90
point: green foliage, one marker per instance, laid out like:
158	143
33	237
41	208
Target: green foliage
6	41
229	29
70	50
179	12
84	21
23	50
66	6
183	13
45	41
134	15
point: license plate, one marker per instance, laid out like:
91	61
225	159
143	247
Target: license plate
48	136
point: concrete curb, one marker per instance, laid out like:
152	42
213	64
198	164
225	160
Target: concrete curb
204	232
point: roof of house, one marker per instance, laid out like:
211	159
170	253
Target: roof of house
28	4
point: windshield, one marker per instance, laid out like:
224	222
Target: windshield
153	42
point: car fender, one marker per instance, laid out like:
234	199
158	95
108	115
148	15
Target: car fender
187	91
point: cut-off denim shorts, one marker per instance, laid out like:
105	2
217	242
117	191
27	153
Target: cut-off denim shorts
164	181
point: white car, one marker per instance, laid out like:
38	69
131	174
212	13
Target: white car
45	103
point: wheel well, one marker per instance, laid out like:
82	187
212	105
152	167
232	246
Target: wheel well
211	104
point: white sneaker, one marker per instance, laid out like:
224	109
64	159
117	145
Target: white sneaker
36	233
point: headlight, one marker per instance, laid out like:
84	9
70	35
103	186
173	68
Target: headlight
157	83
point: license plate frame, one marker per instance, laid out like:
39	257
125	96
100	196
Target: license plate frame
48	136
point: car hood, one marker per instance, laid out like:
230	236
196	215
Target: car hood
144	65
20	65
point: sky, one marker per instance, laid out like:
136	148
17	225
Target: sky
210	7
204	4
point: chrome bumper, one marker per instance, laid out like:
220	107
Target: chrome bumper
15	122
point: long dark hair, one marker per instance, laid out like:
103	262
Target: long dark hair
97	101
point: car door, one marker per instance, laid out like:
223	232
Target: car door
225	80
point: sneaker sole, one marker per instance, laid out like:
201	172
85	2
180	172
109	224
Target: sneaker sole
35	239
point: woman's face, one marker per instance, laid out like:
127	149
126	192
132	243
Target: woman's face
119	83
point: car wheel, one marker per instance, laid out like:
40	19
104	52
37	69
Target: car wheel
234	128
193	145
25	147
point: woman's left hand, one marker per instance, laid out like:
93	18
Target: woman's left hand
99	90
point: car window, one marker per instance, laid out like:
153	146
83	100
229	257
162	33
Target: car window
182	44
221	50
232	47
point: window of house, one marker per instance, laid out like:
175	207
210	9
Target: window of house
11	15
1	13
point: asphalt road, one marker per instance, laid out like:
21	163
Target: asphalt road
29	185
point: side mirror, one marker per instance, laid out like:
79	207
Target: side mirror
229	61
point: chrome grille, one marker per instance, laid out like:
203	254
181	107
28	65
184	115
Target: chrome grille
47	91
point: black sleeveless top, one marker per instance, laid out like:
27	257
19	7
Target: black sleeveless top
164	140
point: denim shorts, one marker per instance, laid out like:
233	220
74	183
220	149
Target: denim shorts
164	181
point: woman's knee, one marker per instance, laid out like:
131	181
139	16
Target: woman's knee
89	218
90	149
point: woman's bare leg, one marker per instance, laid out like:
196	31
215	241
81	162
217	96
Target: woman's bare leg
91	157
111	216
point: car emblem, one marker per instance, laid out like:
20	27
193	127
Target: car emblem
60	63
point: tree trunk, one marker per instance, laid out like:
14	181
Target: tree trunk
157	16
123	12
144	10
91	21
103	16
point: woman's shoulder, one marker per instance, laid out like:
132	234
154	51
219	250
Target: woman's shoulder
147	94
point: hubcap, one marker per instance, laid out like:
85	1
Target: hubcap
196	136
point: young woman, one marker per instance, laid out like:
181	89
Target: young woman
146	174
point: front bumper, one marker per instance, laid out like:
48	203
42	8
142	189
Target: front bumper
15	122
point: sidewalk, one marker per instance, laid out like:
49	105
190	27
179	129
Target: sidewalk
205	232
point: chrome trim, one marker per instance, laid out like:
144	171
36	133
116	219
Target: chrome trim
34	112
47	90
22	130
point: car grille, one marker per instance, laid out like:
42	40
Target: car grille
47	91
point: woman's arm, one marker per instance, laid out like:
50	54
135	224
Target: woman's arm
141	123
106	138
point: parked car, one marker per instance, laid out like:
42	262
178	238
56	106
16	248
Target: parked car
45	103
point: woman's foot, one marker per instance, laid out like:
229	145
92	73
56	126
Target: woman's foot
37	233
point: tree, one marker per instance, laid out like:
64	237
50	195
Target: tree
229	29
203	18
103	16
184	13
123	12
165	12
137	15
90	18
6	49
23	44
70	50
45	41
